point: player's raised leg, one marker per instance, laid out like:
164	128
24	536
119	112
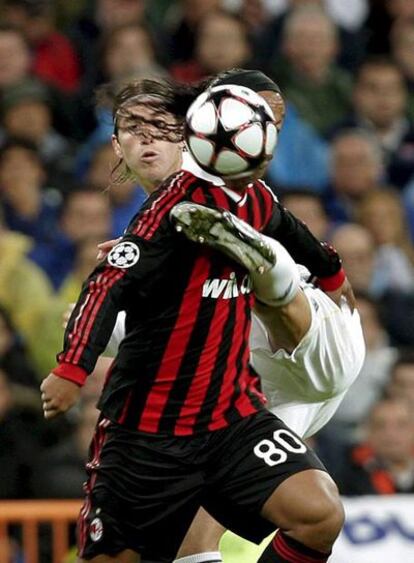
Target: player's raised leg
273	272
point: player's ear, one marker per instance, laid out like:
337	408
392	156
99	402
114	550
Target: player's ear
116	146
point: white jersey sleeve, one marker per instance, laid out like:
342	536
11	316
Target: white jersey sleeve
305	388
117	336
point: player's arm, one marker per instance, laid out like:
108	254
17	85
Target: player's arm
321	259
134	262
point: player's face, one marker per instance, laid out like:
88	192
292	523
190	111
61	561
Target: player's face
141	145
277	105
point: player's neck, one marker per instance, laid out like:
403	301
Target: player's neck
238	186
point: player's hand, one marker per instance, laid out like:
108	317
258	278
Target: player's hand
345	291
58	395
106	247
66	315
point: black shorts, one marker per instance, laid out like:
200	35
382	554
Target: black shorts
143	491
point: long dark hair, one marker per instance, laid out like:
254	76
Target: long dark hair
163	96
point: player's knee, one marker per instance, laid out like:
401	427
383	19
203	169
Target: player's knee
324	519
308	507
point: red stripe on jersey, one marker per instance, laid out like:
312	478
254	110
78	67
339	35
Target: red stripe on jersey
84	312
152	217
227	388
221	199
198	196
173	354
204	372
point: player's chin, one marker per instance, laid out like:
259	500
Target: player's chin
258	172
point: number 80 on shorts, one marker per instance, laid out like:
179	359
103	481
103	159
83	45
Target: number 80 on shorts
276	452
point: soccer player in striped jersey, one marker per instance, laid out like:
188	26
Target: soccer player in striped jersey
182	418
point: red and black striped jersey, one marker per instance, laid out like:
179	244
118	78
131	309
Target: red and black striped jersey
183	366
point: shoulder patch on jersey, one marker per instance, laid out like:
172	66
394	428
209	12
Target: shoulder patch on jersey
124	255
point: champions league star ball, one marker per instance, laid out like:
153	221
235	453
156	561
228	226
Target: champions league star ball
230	131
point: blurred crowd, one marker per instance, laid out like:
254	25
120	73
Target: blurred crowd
344	164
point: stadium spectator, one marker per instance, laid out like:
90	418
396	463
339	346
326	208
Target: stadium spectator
307	73
124	196
60	471
401	382
24	289
88	30
222	42
356	169
380	105
356	247
182	22
84	263
30	103
21	431
14	359
383	15
402	49
348	18
382	213
28	206
54	57
384	463
369	386
85	213
15	57
128	51
301	156
308	207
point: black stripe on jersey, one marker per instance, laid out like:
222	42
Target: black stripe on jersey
233	415
255	399
220	367
252	219
189	363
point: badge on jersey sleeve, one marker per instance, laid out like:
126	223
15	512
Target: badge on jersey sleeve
124	255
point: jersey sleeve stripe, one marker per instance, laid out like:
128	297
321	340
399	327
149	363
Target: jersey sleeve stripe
98	289
80	321
151	218
89	326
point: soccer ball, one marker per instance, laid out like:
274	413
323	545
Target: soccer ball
230	131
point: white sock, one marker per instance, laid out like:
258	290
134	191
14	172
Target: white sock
206	557
279	285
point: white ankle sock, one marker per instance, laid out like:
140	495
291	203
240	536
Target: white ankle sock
206	557
279	285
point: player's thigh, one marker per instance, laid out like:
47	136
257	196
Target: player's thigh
255	458
304	499
203	535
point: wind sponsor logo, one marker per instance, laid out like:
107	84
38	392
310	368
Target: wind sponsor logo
217	288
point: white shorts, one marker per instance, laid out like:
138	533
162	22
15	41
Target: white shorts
305	388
